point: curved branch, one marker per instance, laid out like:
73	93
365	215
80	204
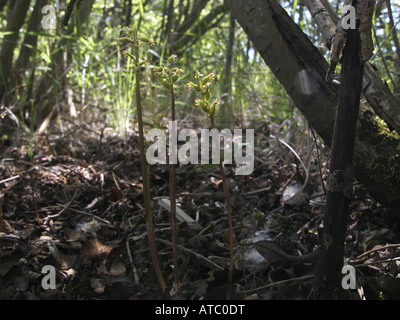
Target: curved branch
207	23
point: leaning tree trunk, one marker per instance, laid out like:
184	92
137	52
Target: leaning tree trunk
375	91
357	50
301	70
340	180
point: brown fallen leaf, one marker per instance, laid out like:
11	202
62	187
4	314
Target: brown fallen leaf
94	248
98	285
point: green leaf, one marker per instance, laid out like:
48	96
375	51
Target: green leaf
45	57
141	8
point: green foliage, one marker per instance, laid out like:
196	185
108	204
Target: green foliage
100	79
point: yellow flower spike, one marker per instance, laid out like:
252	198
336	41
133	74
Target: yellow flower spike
165	82
205	87
198	75
144	62
214	105
207	95
209	77
123	40
149	41
158	69
175	77
203	105
131	32
127	54
172	57
190	84
176	74
144	39
119	40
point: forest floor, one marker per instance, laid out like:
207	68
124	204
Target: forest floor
74	201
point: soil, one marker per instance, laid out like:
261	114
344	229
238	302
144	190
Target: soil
76	204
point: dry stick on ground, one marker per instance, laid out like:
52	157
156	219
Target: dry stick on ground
213	265
340	181
365	254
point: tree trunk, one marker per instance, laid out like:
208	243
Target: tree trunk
68	12
226	112
193	27
301	69
15	20
340	181
396	75
128	15
2	4
30	40
375	91
59	61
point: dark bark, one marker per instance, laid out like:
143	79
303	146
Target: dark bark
226	112
170	19
396	57
128	15
31	37
296	62
292	58
15	20
396	75
340	181
376	92
2	4
192	17
68	12
199	29
45	92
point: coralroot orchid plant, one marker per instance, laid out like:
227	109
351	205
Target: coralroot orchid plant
203	87
167	77
133	38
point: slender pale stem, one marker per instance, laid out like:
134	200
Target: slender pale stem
146	179
172	196
1	216
228	209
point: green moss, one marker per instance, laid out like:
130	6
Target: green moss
384	130
386	163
